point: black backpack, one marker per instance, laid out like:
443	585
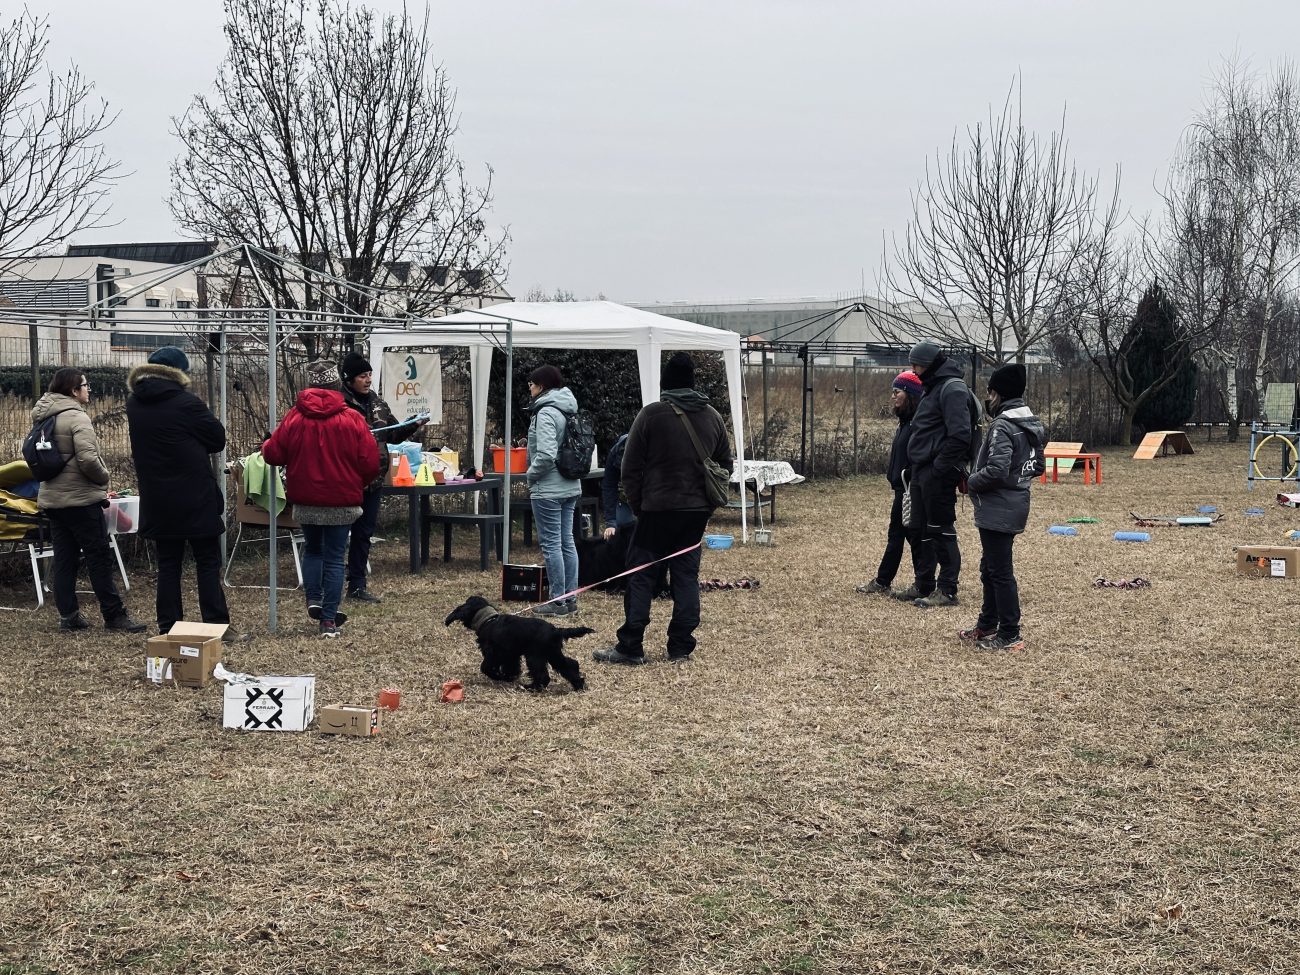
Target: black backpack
976	409
41	453
573	459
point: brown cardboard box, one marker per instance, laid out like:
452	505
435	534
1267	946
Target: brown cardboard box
186	655
1274	561
347	719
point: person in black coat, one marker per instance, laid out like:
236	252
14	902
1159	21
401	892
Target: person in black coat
904	396
172	435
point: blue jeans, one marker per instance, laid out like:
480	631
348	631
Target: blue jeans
554	518
322	566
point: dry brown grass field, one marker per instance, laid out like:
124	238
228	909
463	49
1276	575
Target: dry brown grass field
834	785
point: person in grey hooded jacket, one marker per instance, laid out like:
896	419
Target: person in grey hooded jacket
554	496
999	489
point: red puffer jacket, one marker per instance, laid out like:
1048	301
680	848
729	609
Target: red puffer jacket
327	451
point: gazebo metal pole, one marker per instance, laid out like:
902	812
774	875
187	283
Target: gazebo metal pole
271	471
225	420
505	487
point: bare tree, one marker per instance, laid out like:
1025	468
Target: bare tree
999	233
329	138
54	173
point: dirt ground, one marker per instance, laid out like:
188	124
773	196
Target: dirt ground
834	785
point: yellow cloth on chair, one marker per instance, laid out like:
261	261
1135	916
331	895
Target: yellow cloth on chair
13	530
257	486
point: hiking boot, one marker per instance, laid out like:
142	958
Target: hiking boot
873	587
1001	644
328	630
909	595
551	609
124	624
364	596
616	656
73	621
976	633
935	599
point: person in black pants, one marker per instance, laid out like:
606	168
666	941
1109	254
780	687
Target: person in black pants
663	478
74	501
357	377
173	434
903	399
1006	466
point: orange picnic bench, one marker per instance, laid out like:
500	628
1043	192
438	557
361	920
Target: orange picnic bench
1054	456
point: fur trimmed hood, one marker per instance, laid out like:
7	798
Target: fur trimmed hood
155	370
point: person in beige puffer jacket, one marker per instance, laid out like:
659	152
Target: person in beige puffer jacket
73	500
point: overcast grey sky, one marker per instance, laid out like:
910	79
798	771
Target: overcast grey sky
717	149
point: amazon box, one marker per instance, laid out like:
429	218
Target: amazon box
347	719
185	656
1259	561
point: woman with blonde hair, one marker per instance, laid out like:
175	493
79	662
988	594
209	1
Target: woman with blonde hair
74	501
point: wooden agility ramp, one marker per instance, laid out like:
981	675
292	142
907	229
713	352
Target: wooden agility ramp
1163	441
1065	464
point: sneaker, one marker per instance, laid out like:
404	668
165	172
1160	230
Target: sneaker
572	606
124	624
1001	644
616	656
935	599
73	621
976	633
873	587
340	617
328	630
681	658
552	609
909	595
364	596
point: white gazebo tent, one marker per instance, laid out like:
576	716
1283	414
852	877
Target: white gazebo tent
569	325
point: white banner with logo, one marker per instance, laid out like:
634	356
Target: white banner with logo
412	384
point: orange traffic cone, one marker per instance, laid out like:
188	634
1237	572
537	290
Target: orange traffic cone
402	475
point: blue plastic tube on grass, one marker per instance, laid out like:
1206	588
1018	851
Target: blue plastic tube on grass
1132	536
1063	530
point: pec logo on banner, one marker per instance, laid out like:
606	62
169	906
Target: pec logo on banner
264	707
412	383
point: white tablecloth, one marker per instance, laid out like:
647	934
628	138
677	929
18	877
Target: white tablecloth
765	473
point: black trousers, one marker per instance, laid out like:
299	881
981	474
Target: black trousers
657	534
901	535
77	530
207	566
1001	606
935	503
359	547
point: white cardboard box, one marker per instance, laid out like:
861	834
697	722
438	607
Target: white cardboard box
274	702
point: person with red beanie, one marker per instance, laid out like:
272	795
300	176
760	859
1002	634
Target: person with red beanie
904	395
329	456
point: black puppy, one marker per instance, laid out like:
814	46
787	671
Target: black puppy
504	639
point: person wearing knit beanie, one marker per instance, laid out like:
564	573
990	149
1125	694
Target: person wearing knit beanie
169	355
924	356
323	374
679	373
1008	381
354	365
905	393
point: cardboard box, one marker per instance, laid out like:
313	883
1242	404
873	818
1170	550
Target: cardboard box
276	702
523	583
185	656
444	462
1272	561
347	719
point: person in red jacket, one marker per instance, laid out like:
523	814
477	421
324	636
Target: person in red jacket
329	457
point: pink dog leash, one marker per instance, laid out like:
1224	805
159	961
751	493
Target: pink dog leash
626	572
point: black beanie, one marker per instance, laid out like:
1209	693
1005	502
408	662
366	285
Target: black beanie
679	373
169	355
354	364
1008	381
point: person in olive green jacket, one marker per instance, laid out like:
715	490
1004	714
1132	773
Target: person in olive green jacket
74	502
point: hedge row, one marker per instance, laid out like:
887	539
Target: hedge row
104	380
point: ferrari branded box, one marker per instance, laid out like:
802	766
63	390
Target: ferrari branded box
270	703
523	583
347	719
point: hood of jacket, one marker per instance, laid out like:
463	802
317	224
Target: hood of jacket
52	403
942	372
689	400
1015	411
317	402
561	397
152	382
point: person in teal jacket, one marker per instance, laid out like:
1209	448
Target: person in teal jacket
554	496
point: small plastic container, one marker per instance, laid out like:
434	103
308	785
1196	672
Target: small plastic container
390	698
1063	530
1254	512
719	541
1132	536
